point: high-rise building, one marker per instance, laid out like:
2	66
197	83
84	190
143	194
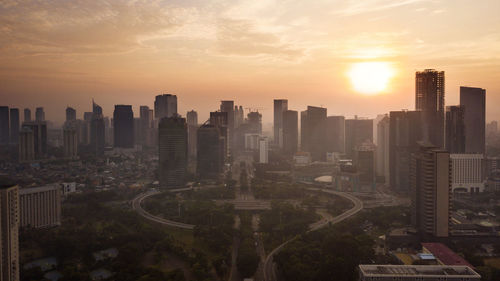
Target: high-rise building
97	130
210	150
364	161
4	125
280	106
9	231
263	150
70	140
40	207
455	129
315	132
144	126
219	120
39	130
26	145
228	107
492	128
383	147
357	131
474	102
467	173
39	114
254	120
123	121
430	177
27	115
172	145
165	106
192	123
14	125
303	131
429	98
335	133
290	132
238	116
70	114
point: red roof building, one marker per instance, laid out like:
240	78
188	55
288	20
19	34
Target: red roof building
444	255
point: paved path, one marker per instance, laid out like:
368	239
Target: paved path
269	266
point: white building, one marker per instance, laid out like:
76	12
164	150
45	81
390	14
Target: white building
374	272
263	150
68	187
252	141
467	173
40	206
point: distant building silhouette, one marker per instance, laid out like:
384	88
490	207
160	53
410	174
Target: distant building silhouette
14	125
39	130
474	102
144	126
263	150
165	106
27	115
254	120
9	231
315	133
97	130
210	150
39	114
26	145
70	140
227	106
70	114
357	131
364	161
4	125
192	123
335	133
383	148
172	144
280	106
455	129
123	119
429	98
219	120
290	132
430	179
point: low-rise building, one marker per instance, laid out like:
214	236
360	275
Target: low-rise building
40	207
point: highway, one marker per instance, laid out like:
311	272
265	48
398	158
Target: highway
136	205
269	266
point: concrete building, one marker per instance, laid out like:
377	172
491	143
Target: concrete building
430	177
335	134
26	145
429	98
40	207
383	148
27	115
173	151
455	129
357	131
165	106
263	150
405	130
39	114
70	114
444	255
14	125
290	132
474	102
9	231
467	173
364	160
210	152
4	125
97	130
70	141
220	120
192	123
280	106
315	133
123	121
373	272
227	106
252	141
39	130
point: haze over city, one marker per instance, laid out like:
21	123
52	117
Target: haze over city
60	53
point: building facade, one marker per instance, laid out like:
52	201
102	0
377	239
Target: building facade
290	132
14	125
192	123
357	131
280	106
210	152
467	173
165	106
455	129
4	125
172	143
373	272
335	133
383	147
123	121
40	207
474	102
315	132
9	231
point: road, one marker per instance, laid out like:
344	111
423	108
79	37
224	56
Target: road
136	205
269	266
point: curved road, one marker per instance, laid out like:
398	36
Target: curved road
269	267
136	205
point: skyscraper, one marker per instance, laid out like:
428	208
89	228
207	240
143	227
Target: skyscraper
254	122
280	106
219	120
357	131
335	133
14	125
228	107
26	145
145	125
210	150
405	130
9	231
383	148
39	114
430	179
27	115
97	130
364	160
4	125
70	140
192	123
123	120
70	114
303	131
315	132
165	106
455	129
39	130
290	132
172	144
429	98
474	102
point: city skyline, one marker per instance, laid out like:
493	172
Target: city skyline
242	51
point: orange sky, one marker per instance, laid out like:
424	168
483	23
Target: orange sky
59	53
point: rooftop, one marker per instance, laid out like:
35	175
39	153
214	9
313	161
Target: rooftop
6	182
445	254
426	271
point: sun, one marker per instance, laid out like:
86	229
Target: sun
370	78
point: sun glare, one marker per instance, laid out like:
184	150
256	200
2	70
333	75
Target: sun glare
370	78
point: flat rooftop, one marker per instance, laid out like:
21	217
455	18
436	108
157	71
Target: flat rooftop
425	271
445	254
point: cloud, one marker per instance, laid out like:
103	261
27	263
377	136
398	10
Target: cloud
356	7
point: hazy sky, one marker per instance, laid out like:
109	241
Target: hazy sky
58	53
